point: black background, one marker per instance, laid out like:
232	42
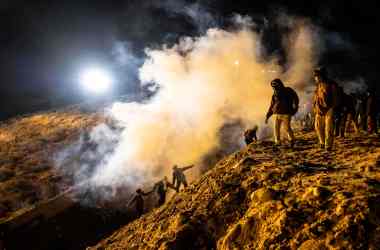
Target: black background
43	44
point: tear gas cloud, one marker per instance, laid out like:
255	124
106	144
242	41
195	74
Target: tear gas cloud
202	83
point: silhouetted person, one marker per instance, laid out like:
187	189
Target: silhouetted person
2	237
348	114
361	113
179	176
372	112
161	188
139	201
325	101
250	135
339	113
283	106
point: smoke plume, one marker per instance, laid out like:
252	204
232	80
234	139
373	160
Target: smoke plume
208	89
202	83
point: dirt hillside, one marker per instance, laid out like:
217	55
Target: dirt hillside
263	198
27	148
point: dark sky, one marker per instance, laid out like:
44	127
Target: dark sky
44	44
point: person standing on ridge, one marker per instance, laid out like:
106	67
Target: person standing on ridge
339	113
325	100
179	177
372	110
348	116
283	106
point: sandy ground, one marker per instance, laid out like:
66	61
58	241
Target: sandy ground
267	198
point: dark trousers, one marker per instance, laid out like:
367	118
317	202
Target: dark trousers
178	185
161	199
372	124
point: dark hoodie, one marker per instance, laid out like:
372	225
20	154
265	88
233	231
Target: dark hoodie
284	102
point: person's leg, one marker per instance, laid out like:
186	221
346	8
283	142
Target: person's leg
364	123
351	119
139	210
371	124
288	128
161	199
277	128
329	129
319	128
338	123
343	124
184	183
177	186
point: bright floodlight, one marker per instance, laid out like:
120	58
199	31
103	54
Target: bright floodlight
96	80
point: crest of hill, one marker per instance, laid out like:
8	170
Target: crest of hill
27	146
262	198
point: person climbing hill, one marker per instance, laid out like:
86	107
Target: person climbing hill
179	176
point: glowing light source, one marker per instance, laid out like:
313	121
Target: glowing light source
96	80
237	63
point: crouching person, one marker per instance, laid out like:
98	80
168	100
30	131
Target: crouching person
250	135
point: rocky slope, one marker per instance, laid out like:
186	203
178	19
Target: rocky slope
27	148
264	198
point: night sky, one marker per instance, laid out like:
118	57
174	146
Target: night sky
45	44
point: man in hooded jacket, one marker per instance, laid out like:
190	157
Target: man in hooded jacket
283	106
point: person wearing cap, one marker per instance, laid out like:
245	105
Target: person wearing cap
283	106
325	101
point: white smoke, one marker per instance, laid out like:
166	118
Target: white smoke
354	86
203	83
208	90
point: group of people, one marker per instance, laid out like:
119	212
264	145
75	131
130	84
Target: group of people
333	109
161	188
333	112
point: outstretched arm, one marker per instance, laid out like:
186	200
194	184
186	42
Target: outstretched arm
168	184
131	201
270	110
187	167
148	193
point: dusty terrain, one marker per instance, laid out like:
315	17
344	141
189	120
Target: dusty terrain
257	198
263	198
27	148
